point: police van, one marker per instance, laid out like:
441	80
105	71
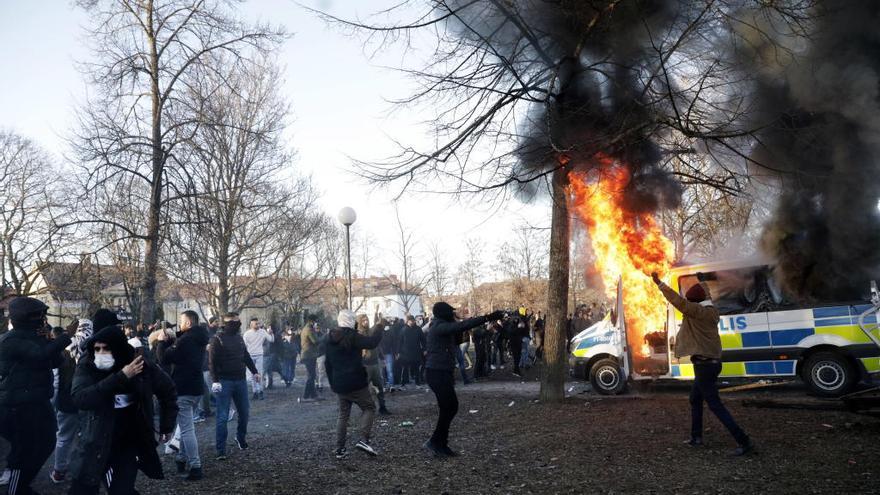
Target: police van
830	345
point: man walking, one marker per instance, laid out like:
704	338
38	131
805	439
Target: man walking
185	357
412	348
227	360
698	338
254	338
27	420
348	379
309	343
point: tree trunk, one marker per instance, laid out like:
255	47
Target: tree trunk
153	239
553	375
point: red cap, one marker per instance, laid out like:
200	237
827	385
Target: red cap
696	293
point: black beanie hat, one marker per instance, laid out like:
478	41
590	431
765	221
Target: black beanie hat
104	318
443	311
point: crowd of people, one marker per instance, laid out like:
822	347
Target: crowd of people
104	394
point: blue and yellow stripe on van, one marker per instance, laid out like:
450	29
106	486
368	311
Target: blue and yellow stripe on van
758	345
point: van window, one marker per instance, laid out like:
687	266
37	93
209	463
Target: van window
742	291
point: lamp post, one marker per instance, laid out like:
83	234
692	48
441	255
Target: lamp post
347	217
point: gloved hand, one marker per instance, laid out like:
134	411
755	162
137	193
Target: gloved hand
656	278
495	315
216	388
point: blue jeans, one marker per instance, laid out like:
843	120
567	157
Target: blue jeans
389	370
705	388
189	445
524	355
288	365
233	391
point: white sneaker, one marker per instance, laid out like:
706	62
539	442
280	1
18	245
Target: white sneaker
4	479
364	446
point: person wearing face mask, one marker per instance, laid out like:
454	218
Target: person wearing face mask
113	388
27	419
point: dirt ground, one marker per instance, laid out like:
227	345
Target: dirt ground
511	444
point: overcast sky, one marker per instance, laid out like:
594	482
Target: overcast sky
339	98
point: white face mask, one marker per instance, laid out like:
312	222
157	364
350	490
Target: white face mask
104	361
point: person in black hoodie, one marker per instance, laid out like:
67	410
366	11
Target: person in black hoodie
114	389
227	360
27	420
412	348
442	345
185	356
348	378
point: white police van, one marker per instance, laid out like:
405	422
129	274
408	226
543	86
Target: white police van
830	345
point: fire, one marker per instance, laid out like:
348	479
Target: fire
628	245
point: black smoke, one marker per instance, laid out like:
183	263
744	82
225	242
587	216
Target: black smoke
600	108
819	100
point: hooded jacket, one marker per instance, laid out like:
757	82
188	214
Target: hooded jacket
309	343
26	363
94	392
185	357
443	338
344	361
698	335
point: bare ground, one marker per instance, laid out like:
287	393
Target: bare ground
511	444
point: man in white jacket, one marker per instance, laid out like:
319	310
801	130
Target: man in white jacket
254	338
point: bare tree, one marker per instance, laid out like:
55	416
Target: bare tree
145	53
242	220
414	279
439	272
523	255
30	201
470	272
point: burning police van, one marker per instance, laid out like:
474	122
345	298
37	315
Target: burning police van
831	345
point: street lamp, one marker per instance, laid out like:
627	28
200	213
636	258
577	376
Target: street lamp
347	217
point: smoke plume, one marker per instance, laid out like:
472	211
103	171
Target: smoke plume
599	113
821	100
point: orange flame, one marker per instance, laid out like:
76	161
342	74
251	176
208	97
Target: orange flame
627	245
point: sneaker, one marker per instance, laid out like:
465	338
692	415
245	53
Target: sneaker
195	474
4	479
56	476
181	467
694	442
198	419
744	449
174	445
221	456
340	453
242	444
517	374
434	449
365	446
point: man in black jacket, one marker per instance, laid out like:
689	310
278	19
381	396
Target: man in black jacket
114	390
185	356
27	420
412	348
227	360
442	344
348	378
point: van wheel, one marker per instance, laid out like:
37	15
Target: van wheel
607	378
829	374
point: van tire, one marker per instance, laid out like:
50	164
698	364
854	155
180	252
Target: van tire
829	374
607	378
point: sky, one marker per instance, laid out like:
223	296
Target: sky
339	97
